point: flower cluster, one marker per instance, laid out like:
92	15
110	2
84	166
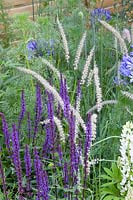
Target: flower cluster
40	47
100	13
126	67
126	159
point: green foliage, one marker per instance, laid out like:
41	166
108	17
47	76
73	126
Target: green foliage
111	189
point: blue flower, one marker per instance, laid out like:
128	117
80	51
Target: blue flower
126	67
32	45
100	13
40	47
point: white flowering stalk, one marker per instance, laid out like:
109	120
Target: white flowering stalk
107	102
124	49
132	32
79	51
127	94
56	95
126	35
67	56
98	88
51	66
59	127
126	159
129	195
93	125
86	66
90	76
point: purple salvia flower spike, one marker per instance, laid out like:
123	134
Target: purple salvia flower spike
16	159
38	111
29	126
41	177
47	143
66	100
6	132
27	159
23	110
65	177
60	153
73	154
3	179
50	108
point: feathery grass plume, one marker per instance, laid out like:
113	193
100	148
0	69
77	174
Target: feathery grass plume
107	102
127	94
126	158
52	90
79	50
51	66
124	49
98	88
93	125
64	40
90	76
86	66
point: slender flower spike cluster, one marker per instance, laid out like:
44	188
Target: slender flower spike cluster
41	178
98	88
64	40
126	159
27	159
100	13
79	51
87	146
16	159
86	66
38	110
